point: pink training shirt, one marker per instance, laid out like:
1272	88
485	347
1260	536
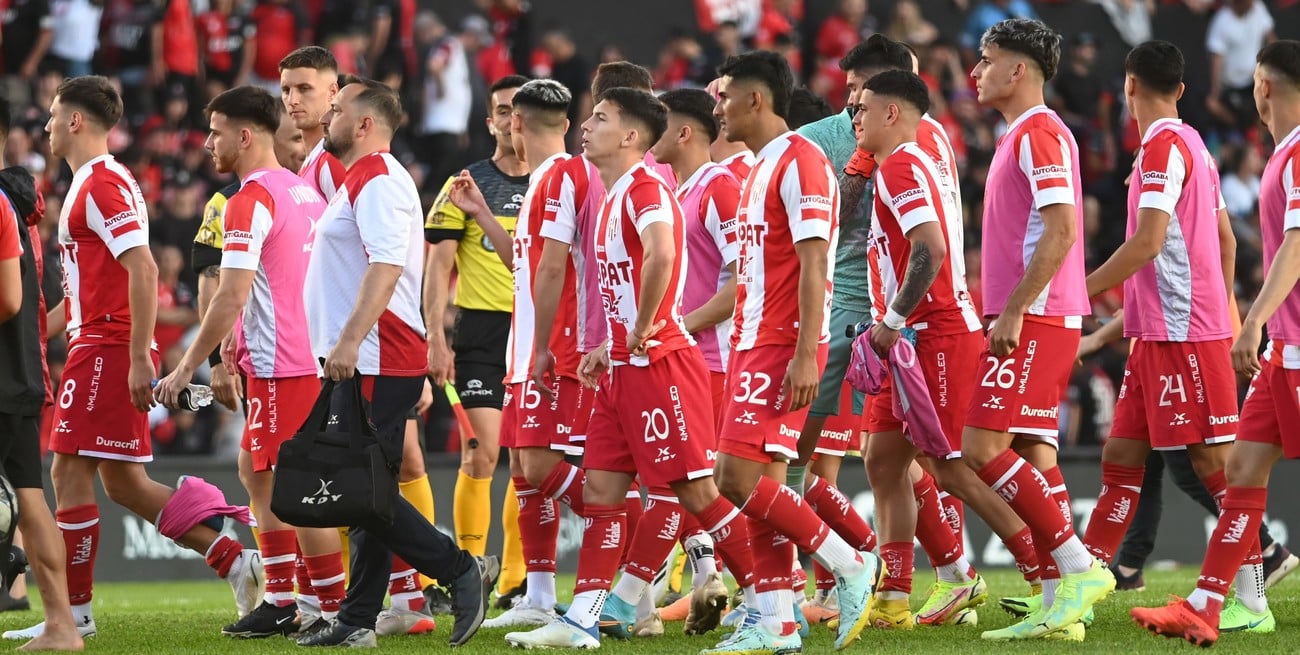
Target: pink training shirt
709	201
1180	295
269	229
1036	164
1279	212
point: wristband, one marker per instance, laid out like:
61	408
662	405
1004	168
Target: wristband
214	359
894	320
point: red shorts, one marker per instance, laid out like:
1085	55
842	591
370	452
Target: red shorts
1272	402
945	361
581	420
93	414
1021	393
1177	394
840	431
528	420
277	408
757	423
654	421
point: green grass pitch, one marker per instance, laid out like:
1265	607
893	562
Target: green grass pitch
186	617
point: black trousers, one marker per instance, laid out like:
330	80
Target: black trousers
409	535
1141	536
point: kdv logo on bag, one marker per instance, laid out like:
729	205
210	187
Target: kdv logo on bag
322	496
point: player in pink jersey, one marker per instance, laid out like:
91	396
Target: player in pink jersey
536	419
362	295
1266	432
917	231
657	385
308	83
1179	391
787	223
110	293
266	248
1033	285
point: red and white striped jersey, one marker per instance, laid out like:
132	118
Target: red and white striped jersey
791	195
528	252
639	199
1279	213
573	196
374	218
323	170
708	201
104	216
909	194
740	164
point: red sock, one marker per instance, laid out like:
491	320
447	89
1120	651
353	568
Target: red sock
954	511
655	535
935	534
773	553
1237	530
539	527
1029	495
787	513
80	528
404	586
279	554
326	580
602	543
221	555
898	559
1121	486
302	576
1021	547
635	511
833	507
1056	484
731	540
823	579
1217	484
565	484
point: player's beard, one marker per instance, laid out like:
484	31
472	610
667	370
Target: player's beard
337	146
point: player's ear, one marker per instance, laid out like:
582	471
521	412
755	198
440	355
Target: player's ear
684	134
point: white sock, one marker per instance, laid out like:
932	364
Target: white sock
82	614
1250	587
630	588
838	556
1072	557
309	604
586	607
1049	590
751	596
1199	597
541	590
329	616
645	607
699	548
956	572
777	608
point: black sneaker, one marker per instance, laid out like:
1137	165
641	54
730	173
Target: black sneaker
13	566
1279	565
10	604
1128	582
337	633
436	600
469	597
507	600
314	623
266	620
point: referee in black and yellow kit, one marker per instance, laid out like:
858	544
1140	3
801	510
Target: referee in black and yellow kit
476	358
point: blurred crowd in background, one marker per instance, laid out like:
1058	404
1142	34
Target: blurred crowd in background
170	56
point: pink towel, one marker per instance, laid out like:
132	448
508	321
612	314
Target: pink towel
195	501
912	404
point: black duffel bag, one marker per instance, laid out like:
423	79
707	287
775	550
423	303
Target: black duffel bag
335	479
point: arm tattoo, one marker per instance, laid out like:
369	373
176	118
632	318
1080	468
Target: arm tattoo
921	272
852	189
210	271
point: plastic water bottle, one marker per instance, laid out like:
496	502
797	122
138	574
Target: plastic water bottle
195	397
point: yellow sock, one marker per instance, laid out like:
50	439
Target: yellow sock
679	565
513	568
472	509
418	493
257	534
346	553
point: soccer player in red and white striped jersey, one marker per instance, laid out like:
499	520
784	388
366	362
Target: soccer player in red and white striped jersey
787	224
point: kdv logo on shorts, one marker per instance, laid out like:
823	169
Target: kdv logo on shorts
322	495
